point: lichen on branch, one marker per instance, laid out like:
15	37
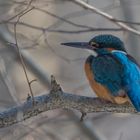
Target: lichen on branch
59	99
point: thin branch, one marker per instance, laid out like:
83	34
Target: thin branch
107	16
18	14
26	10
128	22
58	17
59	99
66	31
87	28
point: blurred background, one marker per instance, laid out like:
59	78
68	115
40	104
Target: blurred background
42	26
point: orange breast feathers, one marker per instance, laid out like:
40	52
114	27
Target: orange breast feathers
100	90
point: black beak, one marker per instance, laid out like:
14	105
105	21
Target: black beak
84	45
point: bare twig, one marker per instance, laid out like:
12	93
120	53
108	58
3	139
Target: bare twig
66	31
109	17
78	13
26	10
83	116
128	22
85	27
18	14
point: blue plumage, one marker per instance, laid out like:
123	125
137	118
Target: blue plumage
130	79
117	72
112	70
108	41
108	72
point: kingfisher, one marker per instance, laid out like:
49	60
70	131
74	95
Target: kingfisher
113	74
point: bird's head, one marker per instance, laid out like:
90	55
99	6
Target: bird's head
100	43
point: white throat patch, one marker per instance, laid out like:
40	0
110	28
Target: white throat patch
92	52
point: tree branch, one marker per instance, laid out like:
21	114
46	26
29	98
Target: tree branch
59	99
107	16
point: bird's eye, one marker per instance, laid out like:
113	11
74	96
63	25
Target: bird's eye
94	44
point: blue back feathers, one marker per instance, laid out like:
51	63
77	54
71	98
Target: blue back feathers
130	79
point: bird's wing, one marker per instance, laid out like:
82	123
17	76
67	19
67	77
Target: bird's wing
130	78
104	75
107	71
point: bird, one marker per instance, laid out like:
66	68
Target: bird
113	74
